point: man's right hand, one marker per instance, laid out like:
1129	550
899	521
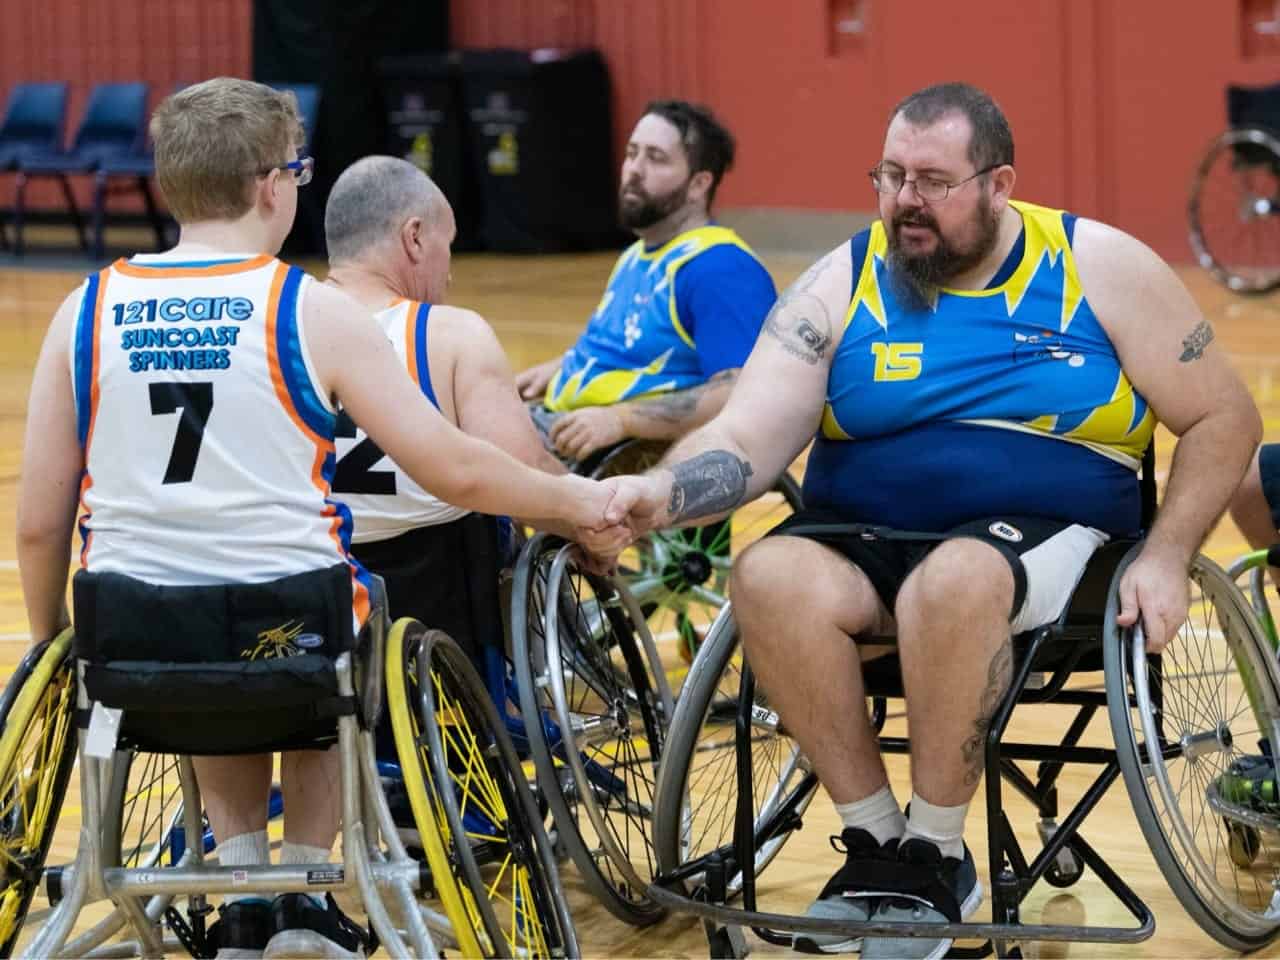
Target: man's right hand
641	500
532	383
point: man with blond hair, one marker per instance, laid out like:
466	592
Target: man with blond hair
246	358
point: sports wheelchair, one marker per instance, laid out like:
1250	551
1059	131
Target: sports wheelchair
594	690
428	883
1181	722
1234	210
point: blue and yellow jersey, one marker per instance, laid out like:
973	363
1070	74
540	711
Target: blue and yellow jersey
1006	400
670	318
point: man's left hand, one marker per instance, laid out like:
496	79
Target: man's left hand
580	433
1155	588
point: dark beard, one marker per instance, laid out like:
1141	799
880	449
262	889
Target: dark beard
651	209
917	278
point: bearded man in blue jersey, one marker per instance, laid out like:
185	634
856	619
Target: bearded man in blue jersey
682	308
988	372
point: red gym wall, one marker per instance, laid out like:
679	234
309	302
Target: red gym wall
1111	102
161	42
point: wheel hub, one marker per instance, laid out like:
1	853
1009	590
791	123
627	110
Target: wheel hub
693	569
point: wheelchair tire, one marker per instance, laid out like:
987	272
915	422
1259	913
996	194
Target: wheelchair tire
1179	721
37	752
1234	210
700	757
481	787
439	846
586	662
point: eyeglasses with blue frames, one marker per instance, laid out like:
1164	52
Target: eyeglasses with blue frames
302	170
930	189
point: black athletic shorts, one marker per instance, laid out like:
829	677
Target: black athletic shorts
1047	557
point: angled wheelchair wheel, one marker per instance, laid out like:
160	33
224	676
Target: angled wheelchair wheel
37	751
142	819
595	705
479	784
1235	210
680	577
440	846
1187	725
697	795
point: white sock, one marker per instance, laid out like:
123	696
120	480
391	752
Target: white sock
941	826
878	814
291	852
245	850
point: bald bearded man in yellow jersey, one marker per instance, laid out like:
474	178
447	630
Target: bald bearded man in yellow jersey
982	369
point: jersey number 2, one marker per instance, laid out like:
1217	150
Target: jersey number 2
354	473
195	400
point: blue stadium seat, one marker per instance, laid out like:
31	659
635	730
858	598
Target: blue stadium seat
33	125
113	126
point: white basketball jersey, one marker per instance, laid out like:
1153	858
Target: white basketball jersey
384	501
208	447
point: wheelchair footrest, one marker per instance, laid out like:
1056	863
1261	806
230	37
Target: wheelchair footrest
733	916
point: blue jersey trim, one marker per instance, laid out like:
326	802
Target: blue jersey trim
84	358
167	264
858	244
292	367
419	347
1069	226
1011	262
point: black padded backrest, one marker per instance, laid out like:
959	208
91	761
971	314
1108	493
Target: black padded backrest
121	618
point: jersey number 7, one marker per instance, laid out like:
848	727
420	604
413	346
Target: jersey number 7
195	400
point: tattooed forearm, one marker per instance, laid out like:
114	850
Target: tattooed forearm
800	320
706	484
998	676
1195	342
681	406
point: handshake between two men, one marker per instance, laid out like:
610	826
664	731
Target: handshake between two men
702	488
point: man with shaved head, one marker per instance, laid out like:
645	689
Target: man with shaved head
389	229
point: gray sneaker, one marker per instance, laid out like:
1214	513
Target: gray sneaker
930	888
846	897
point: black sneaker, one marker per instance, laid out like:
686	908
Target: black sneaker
301	927
927	888
242	929
850	895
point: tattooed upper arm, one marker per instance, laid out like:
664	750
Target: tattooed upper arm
1194	344
801	320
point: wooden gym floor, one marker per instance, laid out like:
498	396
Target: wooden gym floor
537	305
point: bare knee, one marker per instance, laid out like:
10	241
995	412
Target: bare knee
779	583
960	578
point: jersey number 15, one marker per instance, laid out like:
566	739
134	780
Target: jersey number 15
897	361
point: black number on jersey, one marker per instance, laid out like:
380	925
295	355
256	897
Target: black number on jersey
195	400
353	473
